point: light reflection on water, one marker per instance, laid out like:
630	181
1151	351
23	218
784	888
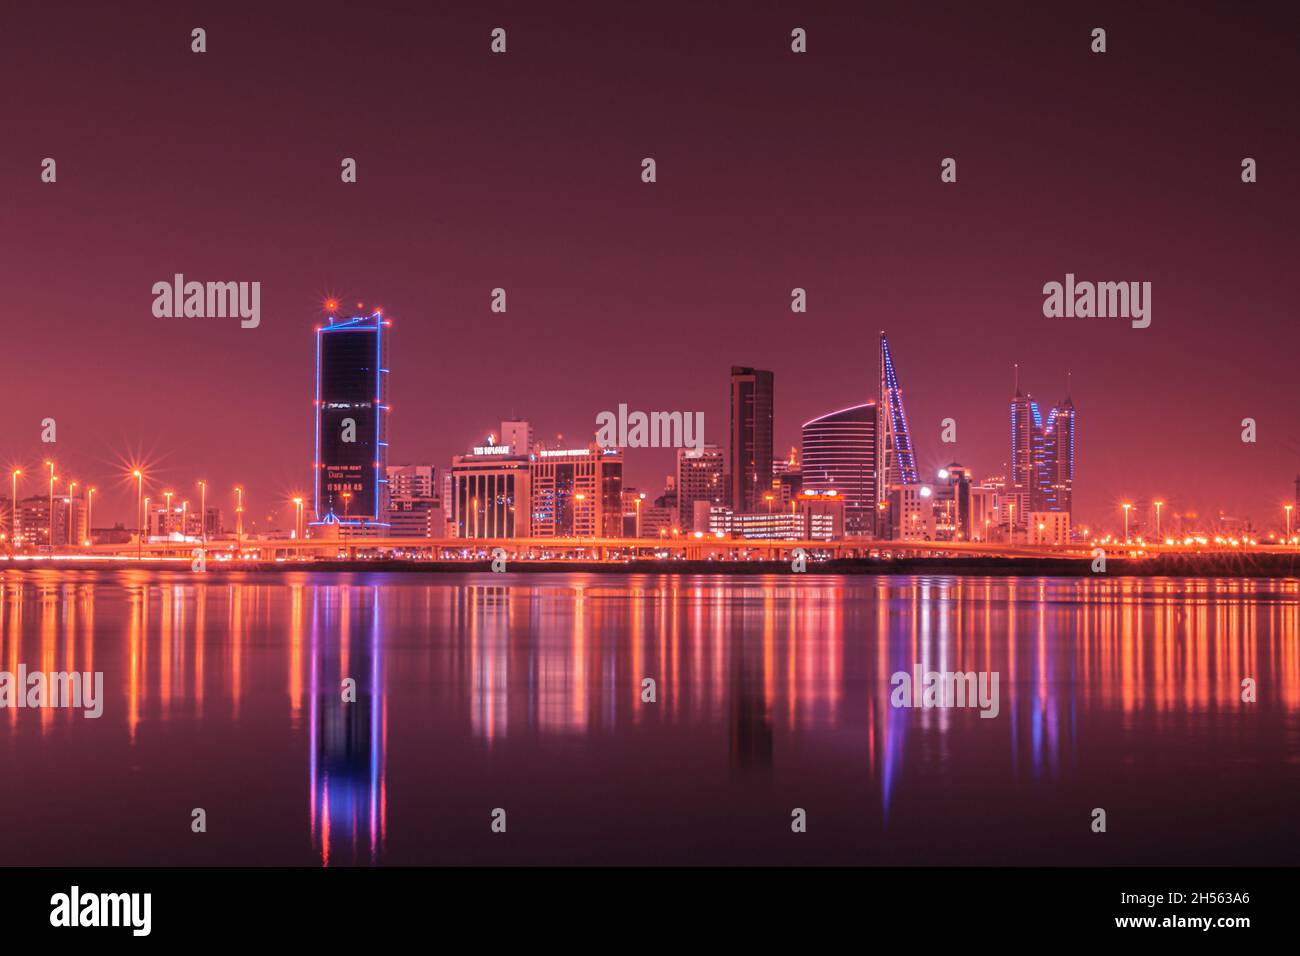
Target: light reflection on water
524	691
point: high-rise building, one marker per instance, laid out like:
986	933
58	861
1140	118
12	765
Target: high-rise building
1021	478
839	454
1058	456
751	437
699	478
351	432
1042	456
895	458
577	492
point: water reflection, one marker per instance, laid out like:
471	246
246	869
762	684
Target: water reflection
348	723
791	676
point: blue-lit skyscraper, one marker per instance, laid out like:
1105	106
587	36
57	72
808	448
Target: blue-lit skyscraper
895	459
351	429
1042	455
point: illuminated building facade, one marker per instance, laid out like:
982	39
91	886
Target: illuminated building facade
751	437
488	494
761	526
815	516
839	454
351	486
577	492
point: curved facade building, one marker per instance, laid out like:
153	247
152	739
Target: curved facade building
839	454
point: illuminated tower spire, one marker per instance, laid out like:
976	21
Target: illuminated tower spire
895	460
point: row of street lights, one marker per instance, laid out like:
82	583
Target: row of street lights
1128	506
141	509
72	490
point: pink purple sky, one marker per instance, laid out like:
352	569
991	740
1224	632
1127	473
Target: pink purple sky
775	170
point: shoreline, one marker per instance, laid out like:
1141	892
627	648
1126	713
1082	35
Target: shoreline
1225	565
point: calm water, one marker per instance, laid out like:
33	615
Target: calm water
479	691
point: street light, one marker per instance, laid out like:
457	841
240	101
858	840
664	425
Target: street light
138	475
239	517
13	519
90	511
168	495
72	493
1159	505
50	538
203	510
1287	509
1126	507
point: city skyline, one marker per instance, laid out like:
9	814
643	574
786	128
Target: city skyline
554	212
1038	476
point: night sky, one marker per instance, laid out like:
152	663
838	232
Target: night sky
775	170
